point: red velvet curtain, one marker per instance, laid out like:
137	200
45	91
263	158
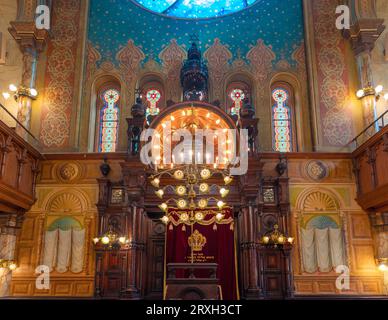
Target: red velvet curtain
219	247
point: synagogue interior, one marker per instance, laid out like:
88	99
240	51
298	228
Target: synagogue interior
193	149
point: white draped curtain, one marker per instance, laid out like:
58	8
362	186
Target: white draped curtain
322	249
64	250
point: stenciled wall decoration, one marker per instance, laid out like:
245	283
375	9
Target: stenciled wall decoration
332	74
60	75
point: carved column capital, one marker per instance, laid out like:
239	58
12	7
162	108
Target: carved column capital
364	34
28	36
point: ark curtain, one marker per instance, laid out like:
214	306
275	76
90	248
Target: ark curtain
219	247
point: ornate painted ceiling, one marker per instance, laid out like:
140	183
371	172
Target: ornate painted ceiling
194	9
278	23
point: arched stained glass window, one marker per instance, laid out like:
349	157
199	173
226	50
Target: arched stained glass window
109	121
238	93
237	96
281	121
153	96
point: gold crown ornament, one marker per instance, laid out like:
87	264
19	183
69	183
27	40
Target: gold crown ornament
196	241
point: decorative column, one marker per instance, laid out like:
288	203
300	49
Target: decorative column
31	41
134	217
365	30
249	189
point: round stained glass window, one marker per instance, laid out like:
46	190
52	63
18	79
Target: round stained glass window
195	9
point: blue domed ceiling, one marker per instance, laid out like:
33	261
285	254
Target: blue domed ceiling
195	9
279	23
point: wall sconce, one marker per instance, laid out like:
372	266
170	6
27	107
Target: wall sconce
276	238
111	240
382	264
8	264
20	91
370	91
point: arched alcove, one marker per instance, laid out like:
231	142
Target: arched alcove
321	229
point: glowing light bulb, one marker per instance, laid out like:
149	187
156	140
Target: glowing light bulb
228	180
163	206
224	192
266	239
122	240
204	187
6	95
155	182
379	89
13	88
12	267
360	93
96	240
182	203
160	193
220	204
383	267
220	216
33	92
386	97
105	240
165	219
290	240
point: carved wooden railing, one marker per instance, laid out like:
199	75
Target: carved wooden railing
371	170
19	166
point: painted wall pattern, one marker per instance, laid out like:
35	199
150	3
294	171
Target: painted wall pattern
60	74
333	81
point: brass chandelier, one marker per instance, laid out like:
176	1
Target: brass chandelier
192	191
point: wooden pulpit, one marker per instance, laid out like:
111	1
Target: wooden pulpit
191	287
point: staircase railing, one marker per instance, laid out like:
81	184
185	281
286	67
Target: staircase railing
367	133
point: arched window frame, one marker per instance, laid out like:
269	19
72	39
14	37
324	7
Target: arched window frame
282	117
102	106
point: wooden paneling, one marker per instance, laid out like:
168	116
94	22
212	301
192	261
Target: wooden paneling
312	285
364	257
19	163
59	287
360	227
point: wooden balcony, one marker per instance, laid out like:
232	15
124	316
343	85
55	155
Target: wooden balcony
18	171
371	169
